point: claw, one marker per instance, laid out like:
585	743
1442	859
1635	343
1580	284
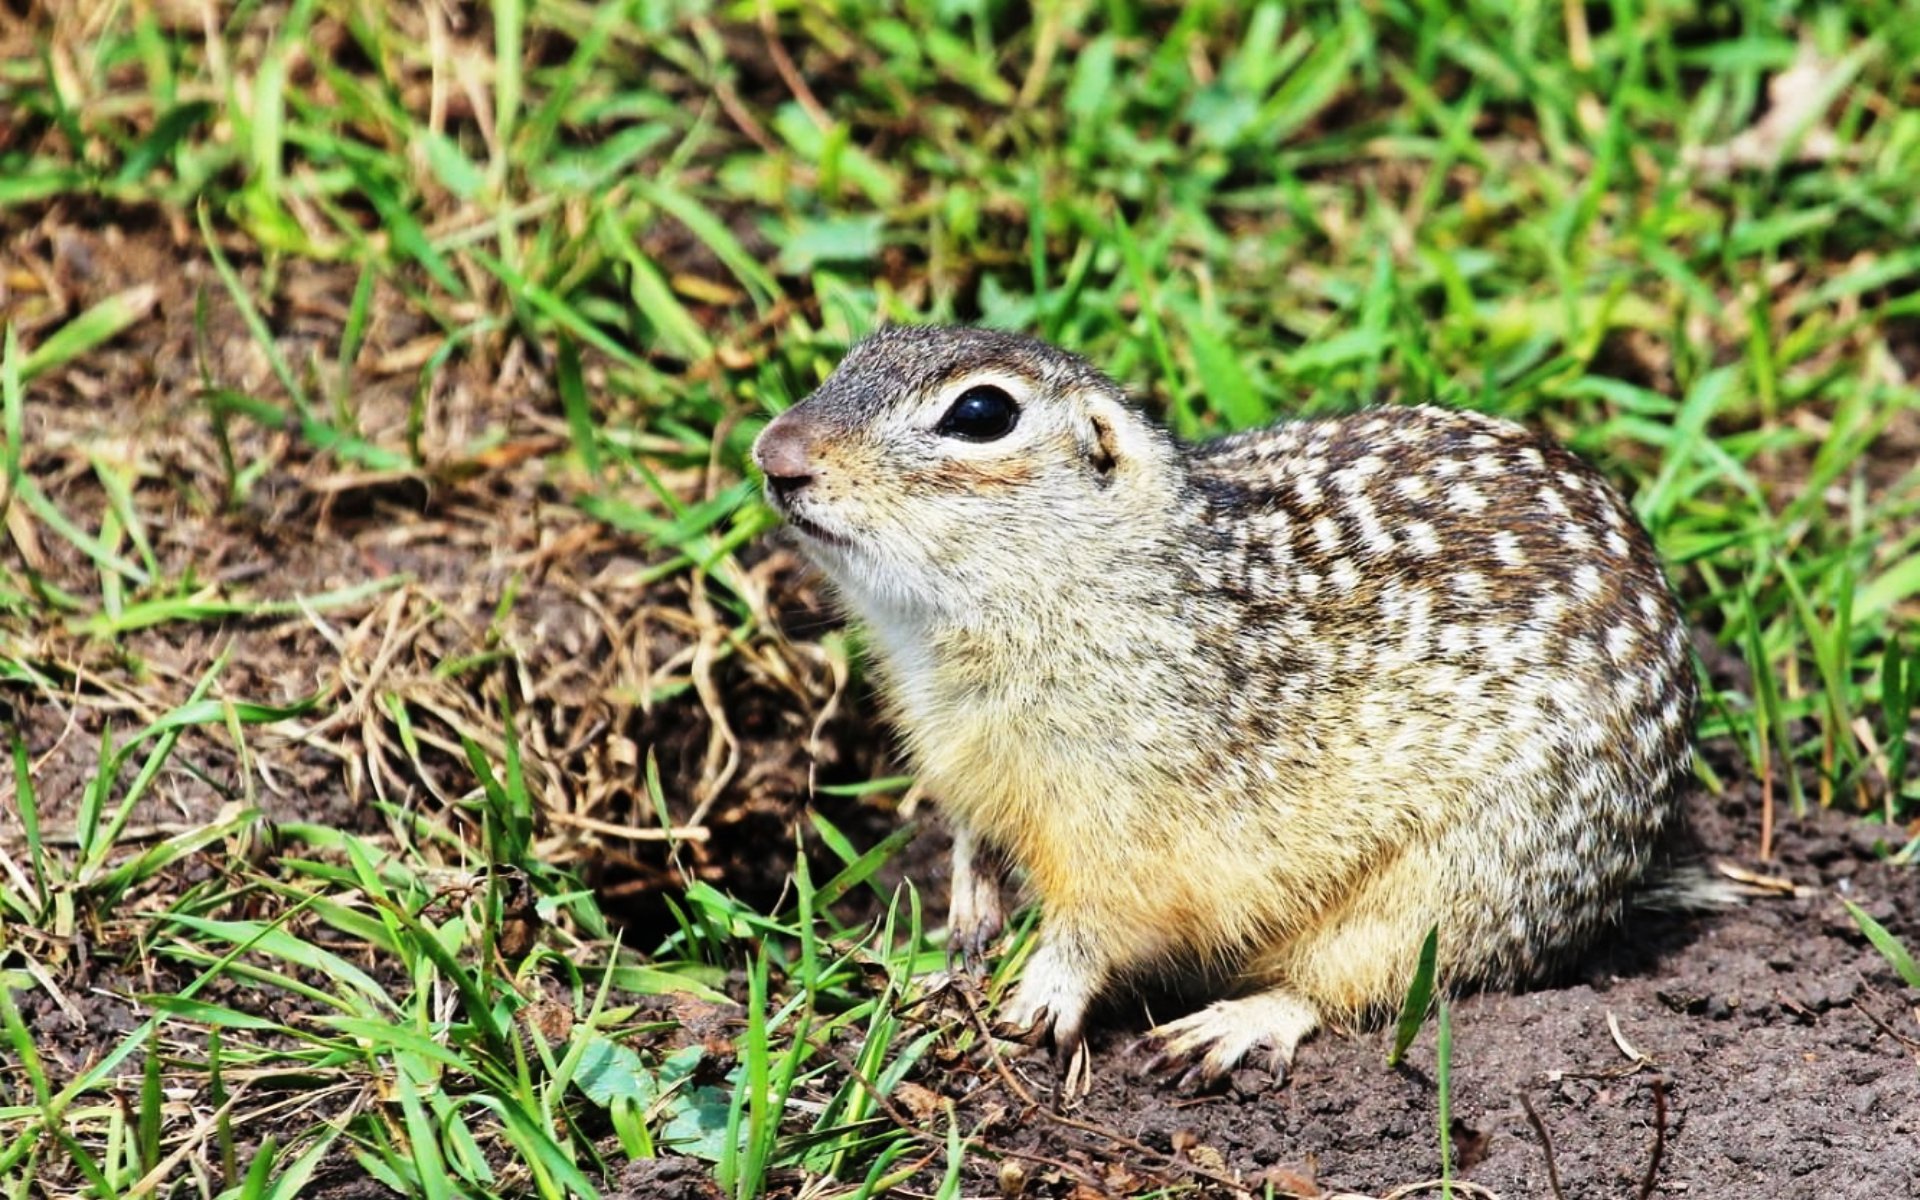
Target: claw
1276	1064
1142	1056
967	949
1076	1076
1157	1063
1199	1077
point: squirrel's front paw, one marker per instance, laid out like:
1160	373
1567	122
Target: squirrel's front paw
974	918
1050	1006
1215	1040
976	911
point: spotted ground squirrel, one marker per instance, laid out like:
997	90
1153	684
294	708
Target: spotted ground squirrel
1255	713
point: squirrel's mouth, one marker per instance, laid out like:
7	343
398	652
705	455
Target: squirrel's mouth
808	528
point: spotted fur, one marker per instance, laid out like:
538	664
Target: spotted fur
1254	713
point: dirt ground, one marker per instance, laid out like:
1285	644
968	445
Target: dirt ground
1766	1050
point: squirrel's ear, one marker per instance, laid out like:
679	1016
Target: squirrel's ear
1114	436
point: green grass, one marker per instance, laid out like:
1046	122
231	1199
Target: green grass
1242	213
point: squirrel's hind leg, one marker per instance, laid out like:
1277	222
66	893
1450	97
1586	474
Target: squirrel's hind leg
1266	1026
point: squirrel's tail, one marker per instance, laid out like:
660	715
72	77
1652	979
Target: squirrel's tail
1688	886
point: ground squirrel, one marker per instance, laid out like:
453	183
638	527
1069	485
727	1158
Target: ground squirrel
1254	713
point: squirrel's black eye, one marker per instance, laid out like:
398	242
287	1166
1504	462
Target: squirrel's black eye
981	414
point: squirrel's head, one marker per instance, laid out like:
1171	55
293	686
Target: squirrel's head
941	468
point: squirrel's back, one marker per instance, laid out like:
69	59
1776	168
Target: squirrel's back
1469	621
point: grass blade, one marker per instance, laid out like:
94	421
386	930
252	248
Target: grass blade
91	329
1419	998
1886	944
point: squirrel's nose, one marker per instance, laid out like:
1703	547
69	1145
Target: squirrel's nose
784	451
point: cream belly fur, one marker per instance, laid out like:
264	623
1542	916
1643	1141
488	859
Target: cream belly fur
1254	713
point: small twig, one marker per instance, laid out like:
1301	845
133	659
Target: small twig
723	755
194	1138
723	91
979	1022
1461	1187
69	835
1138	1147
1546	1144
790	74
1880	1023
1659	1137
1627	1048
1088	1127
648	833
1766	802
885	1103
1778	885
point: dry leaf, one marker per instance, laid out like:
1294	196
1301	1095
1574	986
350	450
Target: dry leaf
1794	125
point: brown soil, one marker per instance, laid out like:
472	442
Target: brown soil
1781	1055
